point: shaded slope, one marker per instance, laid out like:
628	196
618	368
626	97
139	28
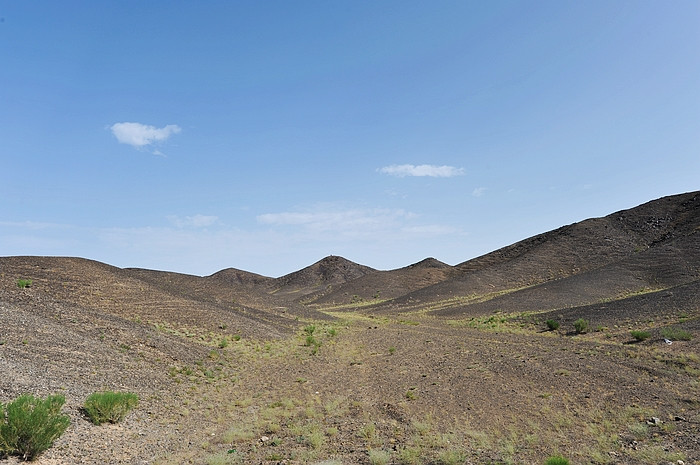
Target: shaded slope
666	306
659	267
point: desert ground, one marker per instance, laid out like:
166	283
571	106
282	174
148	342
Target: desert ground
339	363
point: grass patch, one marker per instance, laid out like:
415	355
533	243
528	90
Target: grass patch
24	283
379	457
552	325
556	460
109	406
452	457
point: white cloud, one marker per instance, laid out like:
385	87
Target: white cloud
140	135
479	191
196	221
434	171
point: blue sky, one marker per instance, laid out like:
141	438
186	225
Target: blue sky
196	136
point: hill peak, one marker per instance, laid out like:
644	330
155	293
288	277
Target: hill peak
332	269
429	262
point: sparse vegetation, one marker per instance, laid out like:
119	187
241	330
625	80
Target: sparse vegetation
109	406
552	325
452	457
556	460
581	326
30	425
24	283
676	334
379	457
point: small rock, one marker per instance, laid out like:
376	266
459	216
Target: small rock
264	439
654	421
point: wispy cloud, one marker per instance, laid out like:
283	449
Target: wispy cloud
327	218
478	191
196	221
434	171
142	135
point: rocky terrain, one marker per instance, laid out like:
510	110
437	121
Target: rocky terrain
339	363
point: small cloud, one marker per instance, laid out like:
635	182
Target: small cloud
196	221
141	135
479	191
401	171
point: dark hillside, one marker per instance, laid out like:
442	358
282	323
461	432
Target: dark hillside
659	237
675	304
659	267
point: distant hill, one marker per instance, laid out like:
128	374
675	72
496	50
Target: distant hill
652	247
324	274
382	285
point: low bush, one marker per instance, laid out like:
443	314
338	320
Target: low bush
676	334
580	326
552	325
30	425
109	406
640	335
23	283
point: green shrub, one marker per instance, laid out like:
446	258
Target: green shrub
30	425
309	330
109	406
556	460
22	283
580	326
676	334
553	325
640	335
